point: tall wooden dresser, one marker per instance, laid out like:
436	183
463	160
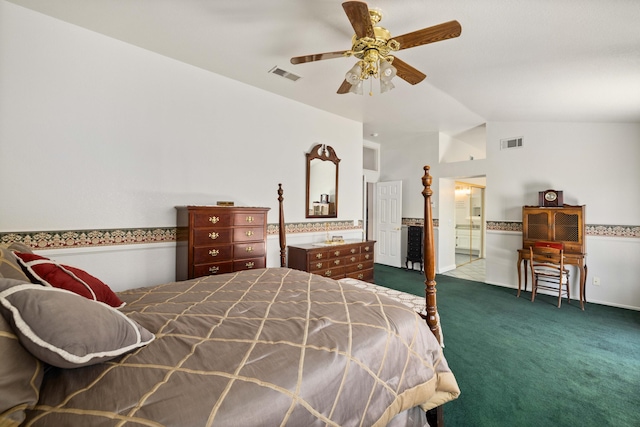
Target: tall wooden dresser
414	246
351	259
220	239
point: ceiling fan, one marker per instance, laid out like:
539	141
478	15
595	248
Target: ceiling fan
373	46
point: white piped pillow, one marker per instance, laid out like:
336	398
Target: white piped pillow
66	330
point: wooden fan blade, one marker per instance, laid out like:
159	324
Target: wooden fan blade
407	72
344	87
358	14
444	31
317	57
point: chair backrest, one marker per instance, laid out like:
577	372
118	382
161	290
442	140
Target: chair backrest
547	256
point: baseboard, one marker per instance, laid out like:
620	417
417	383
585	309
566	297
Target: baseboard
446	268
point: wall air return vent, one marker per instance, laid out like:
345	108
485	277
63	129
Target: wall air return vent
284	73
509	143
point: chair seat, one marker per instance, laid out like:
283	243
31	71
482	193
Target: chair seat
551	273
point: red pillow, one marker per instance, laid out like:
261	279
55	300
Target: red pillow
50	273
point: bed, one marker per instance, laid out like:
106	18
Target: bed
264	347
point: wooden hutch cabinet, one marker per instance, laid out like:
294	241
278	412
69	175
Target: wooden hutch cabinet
354	260
564	224
560	225
220	239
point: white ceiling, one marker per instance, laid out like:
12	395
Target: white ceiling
516	60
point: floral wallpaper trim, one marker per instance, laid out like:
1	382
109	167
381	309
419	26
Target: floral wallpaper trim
129	236
84	238
313	227
632	231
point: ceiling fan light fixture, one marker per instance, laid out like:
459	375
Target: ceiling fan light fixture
387	71
373	46
357	88
353	76
386	86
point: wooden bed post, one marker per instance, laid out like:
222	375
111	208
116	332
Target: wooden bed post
429	254
435	416
282	229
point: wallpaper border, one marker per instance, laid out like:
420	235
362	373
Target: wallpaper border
130	236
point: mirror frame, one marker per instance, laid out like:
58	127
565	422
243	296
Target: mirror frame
326	154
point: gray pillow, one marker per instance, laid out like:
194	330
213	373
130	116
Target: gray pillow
20	374
9	266
66	330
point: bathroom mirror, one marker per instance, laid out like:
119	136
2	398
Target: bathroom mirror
322	182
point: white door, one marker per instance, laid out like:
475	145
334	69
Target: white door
388	220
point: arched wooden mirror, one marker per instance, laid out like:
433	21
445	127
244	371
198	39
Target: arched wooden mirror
322	182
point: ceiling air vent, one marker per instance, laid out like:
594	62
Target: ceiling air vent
284	73
511	143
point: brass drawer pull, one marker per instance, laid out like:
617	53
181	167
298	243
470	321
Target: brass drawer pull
360	276
353	250
336	253
336	262
327	273
214	219
249	233
366	256
249	249
249	264
214	252
213	235
249	219
360	266
319	256
366	248
353	259
319	265
214	269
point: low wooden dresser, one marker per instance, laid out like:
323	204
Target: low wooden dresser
220	239
352	259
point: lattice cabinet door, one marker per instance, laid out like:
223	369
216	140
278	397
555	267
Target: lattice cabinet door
563	224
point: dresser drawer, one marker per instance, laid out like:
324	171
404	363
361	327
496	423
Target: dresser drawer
344	251
215	268
211	236
315	266
248	264
248	218
365	275
332	272
208	254
248	234
205	219
360	266
317	255
249	250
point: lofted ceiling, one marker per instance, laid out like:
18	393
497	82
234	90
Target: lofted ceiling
516	60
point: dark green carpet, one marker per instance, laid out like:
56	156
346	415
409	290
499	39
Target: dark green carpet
532	364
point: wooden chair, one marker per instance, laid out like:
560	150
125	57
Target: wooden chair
548	271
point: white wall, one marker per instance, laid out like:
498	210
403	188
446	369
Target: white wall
96	133
595	164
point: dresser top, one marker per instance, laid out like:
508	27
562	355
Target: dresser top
320	245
